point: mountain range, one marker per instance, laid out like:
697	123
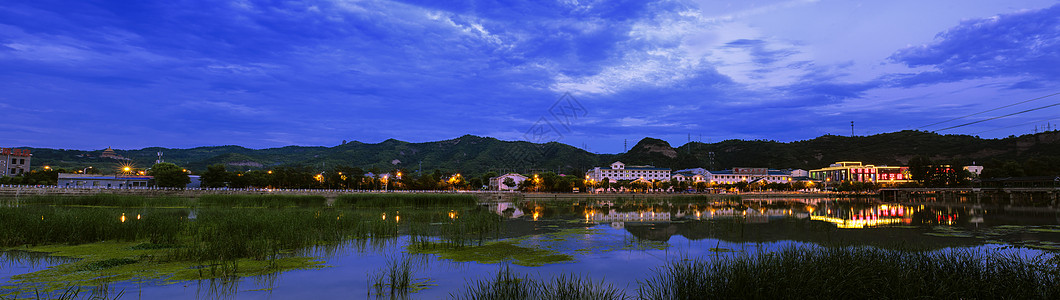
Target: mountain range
476	155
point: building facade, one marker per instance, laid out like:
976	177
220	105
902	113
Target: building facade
619	171
750	175
16	161
689	177
858	172
103	181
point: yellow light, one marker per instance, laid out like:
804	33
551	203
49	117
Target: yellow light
384	216
397	218
137	216
270	172
127	169
536	215
123	217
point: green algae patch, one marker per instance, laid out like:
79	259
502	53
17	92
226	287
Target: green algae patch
494	252
1046	230
132	261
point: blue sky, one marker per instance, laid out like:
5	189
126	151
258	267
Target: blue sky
133	74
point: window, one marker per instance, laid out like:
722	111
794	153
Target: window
22	161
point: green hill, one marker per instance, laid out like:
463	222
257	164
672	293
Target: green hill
1037	154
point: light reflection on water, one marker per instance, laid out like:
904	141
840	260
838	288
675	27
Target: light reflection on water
623	242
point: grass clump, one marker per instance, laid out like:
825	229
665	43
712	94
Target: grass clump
508	285
397	279
108	200
106	264
270	201
404	200
857	272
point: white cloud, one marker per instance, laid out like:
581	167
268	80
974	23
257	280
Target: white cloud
229	107
676	46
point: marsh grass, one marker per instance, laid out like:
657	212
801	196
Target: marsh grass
44	225
108	200
270	201
405	200
397	280
857	272
508	285
454	228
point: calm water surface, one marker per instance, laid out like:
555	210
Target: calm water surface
621	242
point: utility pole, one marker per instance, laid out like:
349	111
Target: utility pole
851	128
711	155
625	145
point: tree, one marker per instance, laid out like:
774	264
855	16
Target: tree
169	175
215	176
509	182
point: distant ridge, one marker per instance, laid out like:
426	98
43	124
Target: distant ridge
475	155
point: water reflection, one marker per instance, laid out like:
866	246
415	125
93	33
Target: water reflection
816	220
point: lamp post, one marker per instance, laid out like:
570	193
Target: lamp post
85	170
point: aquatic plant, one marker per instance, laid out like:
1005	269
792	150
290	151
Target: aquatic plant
384	200
108	200
508	285
857	272
271	201
396	280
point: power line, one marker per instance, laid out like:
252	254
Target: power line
990	110
1017	125
998	117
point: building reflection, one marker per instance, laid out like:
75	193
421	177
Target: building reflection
877	215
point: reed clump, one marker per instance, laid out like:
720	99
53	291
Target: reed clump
509	285
108	200
857	272
45	225
269	201
405	200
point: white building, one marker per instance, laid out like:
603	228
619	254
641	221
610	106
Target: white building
749	175
497	183
975	170
619	171
682	176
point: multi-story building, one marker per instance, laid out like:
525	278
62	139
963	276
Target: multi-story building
856	171
16	161
619	171
735	175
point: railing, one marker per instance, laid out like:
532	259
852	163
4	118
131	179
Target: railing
56	187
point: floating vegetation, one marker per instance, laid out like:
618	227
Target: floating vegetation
120	261
508	285
1016	235
854	272
493	252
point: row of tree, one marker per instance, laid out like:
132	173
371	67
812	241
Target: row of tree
340	177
